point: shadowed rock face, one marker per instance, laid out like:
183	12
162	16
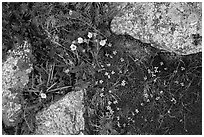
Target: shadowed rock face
172	26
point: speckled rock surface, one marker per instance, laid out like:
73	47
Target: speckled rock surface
15	72
64	117
172	26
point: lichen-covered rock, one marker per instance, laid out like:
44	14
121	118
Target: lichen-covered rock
171	26
64	117
14	78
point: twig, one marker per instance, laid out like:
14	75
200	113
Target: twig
51	86
59	88
50	75
48	80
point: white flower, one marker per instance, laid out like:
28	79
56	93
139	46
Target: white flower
108	107
157	98
112	72
101	95
86	40
70	12
108	64
80	40
109	76
109	44
43	95
161	63
66	71
106	73
115	102
90	35
123	83
103	42
114	52
109	102
73	47
136	110
122	59
101	81
161	92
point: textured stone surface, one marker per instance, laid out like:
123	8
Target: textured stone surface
172	26
64	117
14	77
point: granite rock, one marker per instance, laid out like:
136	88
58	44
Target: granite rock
171	26
64	117
15	71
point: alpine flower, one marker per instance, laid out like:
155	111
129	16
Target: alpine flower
43	95
73	47
103	42
80	40
90	35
